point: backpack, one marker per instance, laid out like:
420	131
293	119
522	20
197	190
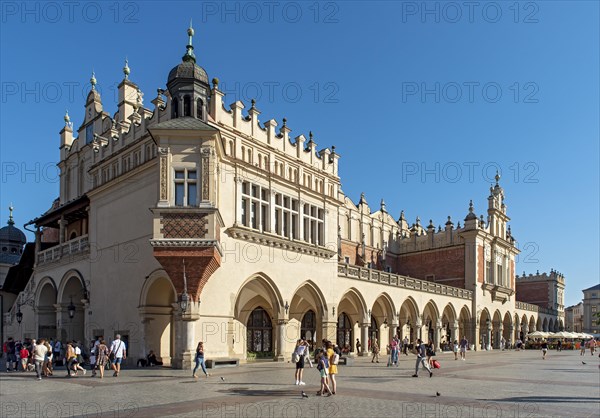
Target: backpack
295	357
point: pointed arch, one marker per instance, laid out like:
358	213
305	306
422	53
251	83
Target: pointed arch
353	301
258	288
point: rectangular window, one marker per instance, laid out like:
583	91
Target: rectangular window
255	203
186	187
314	227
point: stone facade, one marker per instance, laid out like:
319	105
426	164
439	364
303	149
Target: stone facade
591	307
196	202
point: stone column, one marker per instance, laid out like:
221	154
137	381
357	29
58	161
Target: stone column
419	326
438	334
455	335
280	355
62	228
329	331
365	339
511	337
488	337
500	334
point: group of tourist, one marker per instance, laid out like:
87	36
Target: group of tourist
43	355
327	358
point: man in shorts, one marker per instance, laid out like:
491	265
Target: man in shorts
117	348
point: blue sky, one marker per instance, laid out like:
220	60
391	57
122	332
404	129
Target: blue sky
424	101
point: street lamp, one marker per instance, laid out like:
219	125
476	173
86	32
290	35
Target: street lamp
19	314
185	298
71	309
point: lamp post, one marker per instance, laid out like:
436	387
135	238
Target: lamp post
19	314
184	298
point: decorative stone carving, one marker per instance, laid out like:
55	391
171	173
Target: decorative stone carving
163	177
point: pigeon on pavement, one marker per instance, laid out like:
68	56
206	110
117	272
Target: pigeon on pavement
222	379
304	395
437	393
583	362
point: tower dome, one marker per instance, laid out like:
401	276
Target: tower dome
188	85
12	240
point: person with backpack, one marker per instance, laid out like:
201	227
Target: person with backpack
322	367
334	359
118	352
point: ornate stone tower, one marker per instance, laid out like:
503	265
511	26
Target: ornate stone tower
187	222
188	86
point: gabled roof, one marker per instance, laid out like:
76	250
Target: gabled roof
185	123
597	287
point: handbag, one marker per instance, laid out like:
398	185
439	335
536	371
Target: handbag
112	355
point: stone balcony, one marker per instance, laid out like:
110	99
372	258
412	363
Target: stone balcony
75	247
390	279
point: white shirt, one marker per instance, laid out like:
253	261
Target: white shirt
118	347
77	351
39	352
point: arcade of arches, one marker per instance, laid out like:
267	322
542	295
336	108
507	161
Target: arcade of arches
268	323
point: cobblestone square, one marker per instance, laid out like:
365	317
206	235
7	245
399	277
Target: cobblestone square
487	384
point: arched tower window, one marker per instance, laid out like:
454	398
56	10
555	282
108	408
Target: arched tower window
175	107
199	109
187	106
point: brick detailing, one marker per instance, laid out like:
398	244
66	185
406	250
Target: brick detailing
372	255
200	264
184	225
536	293
447	266
480	264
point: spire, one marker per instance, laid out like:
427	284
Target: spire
10	215
126	70
401	216
189	53
497	177
67	119
362	199
93	80
383	206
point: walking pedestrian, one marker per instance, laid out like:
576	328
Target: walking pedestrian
394	350
101	357
333	358
24	356
79	362
592	346
559	345
358	345
71	358
464	343
119	351
582	348
56	351
47	369
421	359
405	344
323	367
375	350
93	358
39	356
11	355
430	353
200	360
455	349
544	349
